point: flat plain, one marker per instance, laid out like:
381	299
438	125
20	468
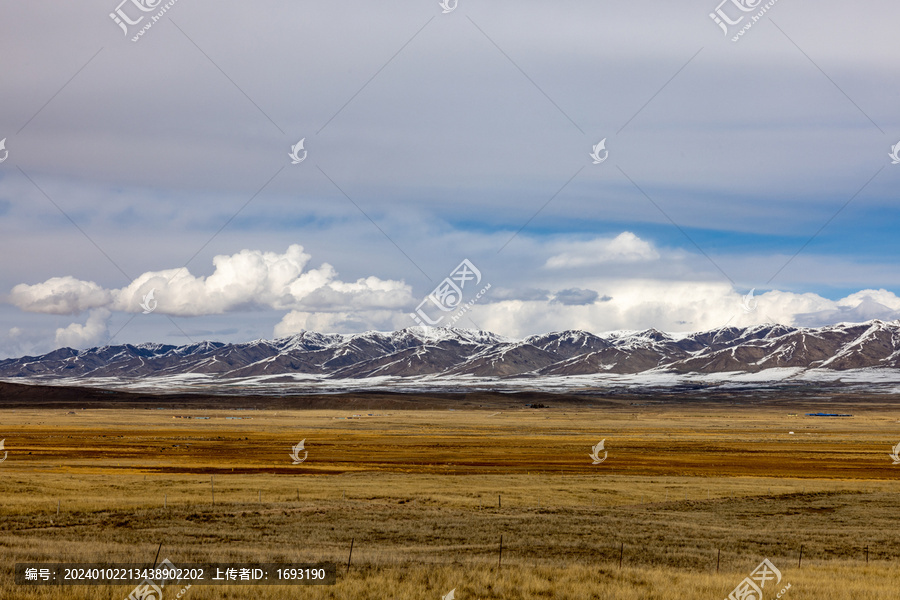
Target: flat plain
693	494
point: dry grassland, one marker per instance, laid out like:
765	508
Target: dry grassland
417	491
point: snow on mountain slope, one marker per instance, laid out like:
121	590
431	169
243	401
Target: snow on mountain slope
435	354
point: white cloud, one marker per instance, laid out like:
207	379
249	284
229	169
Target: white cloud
246	280
861	306
632	304
337	322
60	296
91	333
532	302
625	247
370	292
677	307
884	297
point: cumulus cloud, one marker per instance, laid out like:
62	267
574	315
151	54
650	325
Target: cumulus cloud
317	299
338	322
60	296
624	248
628	304
92	333
679	307
864	305
883	297
369	292
247	280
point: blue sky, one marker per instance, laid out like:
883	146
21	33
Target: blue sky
434	137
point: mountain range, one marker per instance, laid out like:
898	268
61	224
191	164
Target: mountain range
450	353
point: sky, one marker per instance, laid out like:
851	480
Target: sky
233	171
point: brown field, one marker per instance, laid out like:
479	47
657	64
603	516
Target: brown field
685	484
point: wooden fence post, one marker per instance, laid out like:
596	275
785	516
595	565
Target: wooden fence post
350	557
157	554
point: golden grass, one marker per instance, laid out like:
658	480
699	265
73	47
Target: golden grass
417	492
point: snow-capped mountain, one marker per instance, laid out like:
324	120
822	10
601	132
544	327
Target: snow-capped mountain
439	352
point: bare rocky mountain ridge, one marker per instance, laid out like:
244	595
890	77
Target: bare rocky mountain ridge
452	352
